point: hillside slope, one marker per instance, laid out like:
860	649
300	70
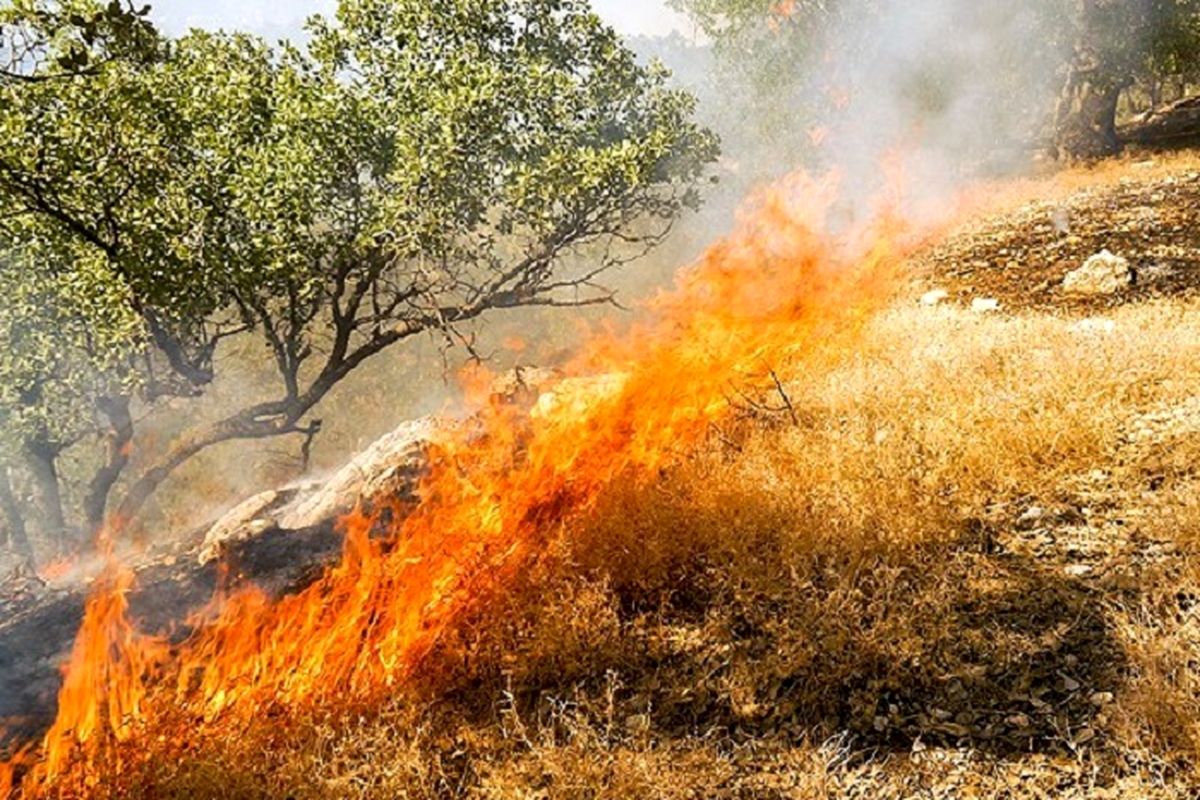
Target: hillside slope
962	560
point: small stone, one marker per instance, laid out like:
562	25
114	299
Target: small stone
954	729
985	305
1101	698
1061	219
1102	274
1084	736
1031	515
933	298
1094	327
1070	684
1018	721
1078	570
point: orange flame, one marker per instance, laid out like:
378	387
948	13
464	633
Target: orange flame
56	569
783	10
631	405
100	702
514	344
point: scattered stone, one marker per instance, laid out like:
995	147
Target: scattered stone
1102	274
1070	684
1078	570
1101	698
1094	326
1060	218
933	298
985	305
954	729
1031	515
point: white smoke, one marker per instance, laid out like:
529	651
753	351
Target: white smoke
959	88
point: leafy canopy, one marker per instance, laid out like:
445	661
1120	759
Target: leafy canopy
421	163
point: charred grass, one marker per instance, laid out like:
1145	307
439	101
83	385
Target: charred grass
968	564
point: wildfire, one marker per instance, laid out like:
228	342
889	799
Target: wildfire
56	569
629	406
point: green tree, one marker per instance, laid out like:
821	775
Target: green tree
420	164
1114	44
43	40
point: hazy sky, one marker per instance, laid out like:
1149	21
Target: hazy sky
279	17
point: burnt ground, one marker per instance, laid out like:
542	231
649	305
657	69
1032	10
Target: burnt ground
1020	257
38	622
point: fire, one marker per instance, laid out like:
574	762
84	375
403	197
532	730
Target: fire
56	569
498	492
100	700
781	11
514	344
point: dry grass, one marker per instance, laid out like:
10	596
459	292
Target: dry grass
972	569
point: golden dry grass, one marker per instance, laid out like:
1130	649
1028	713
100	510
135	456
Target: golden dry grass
970	569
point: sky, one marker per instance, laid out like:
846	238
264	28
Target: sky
274	18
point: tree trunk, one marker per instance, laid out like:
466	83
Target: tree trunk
14	520
1175	125
1085	120
120	438
1086	127
230	429
41	458
259	422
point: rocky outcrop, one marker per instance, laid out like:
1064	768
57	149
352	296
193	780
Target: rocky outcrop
1102	274
391	467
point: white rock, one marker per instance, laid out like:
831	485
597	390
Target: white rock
1031	515
934	297
392	464
1094	326
1103	273
243	521
985	305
